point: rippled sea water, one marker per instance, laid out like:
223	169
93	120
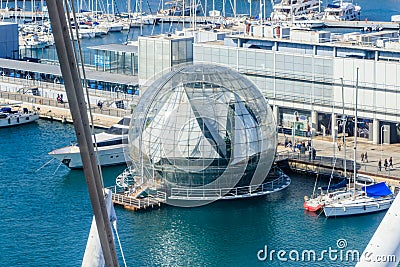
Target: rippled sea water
47	215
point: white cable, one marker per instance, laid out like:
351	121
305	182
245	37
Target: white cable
119	242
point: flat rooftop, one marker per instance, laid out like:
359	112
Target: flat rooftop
55	70
116	48
363	40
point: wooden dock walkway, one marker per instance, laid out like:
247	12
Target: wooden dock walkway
132	202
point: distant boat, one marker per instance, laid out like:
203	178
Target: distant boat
308	23
179	8
342	11
293	9
9	117
111	145
32	41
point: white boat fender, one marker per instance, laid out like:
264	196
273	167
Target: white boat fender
344	208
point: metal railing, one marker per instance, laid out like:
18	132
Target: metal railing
328	162
138	203
225	193
38	100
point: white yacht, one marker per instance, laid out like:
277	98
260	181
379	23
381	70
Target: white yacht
111	145
31	41
340	11
292	9
8	117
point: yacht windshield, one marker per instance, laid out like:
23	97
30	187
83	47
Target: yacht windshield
117	130
125	121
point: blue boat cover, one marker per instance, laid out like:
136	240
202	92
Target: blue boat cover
377	190
5	110
333	5
341	184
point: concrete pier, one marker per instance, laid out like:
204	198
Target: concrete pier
50	109
324	161
362	24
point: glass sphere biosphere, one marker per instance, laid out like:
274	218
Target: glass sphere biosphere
202	131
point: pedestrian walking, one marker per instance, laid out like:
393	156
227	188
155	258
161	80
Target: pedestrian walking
314	153
362	157
380	165
385	164
339	146
390	162
365	157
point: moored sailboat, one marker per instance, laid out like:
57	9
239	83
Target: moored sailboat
372	198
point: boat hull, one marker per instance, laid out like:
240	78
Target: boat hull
362	207
312	206
18	119
71	157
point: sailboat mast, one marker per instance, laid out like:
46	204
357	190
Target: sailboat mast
205	9
76	99
250	7
344	120
355	131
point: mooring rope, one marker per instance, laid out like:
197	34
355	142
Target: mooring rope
44	165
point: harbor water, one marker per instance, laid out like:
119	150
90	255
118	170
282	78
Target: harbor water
47	215
47	212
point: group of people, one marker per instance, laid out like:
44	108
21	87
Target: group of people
387	164
364	157
302	147
60	98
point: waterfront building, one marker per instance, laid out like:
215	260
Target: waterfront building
113	58
204	132
9	43
301	73
37	73
161	52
